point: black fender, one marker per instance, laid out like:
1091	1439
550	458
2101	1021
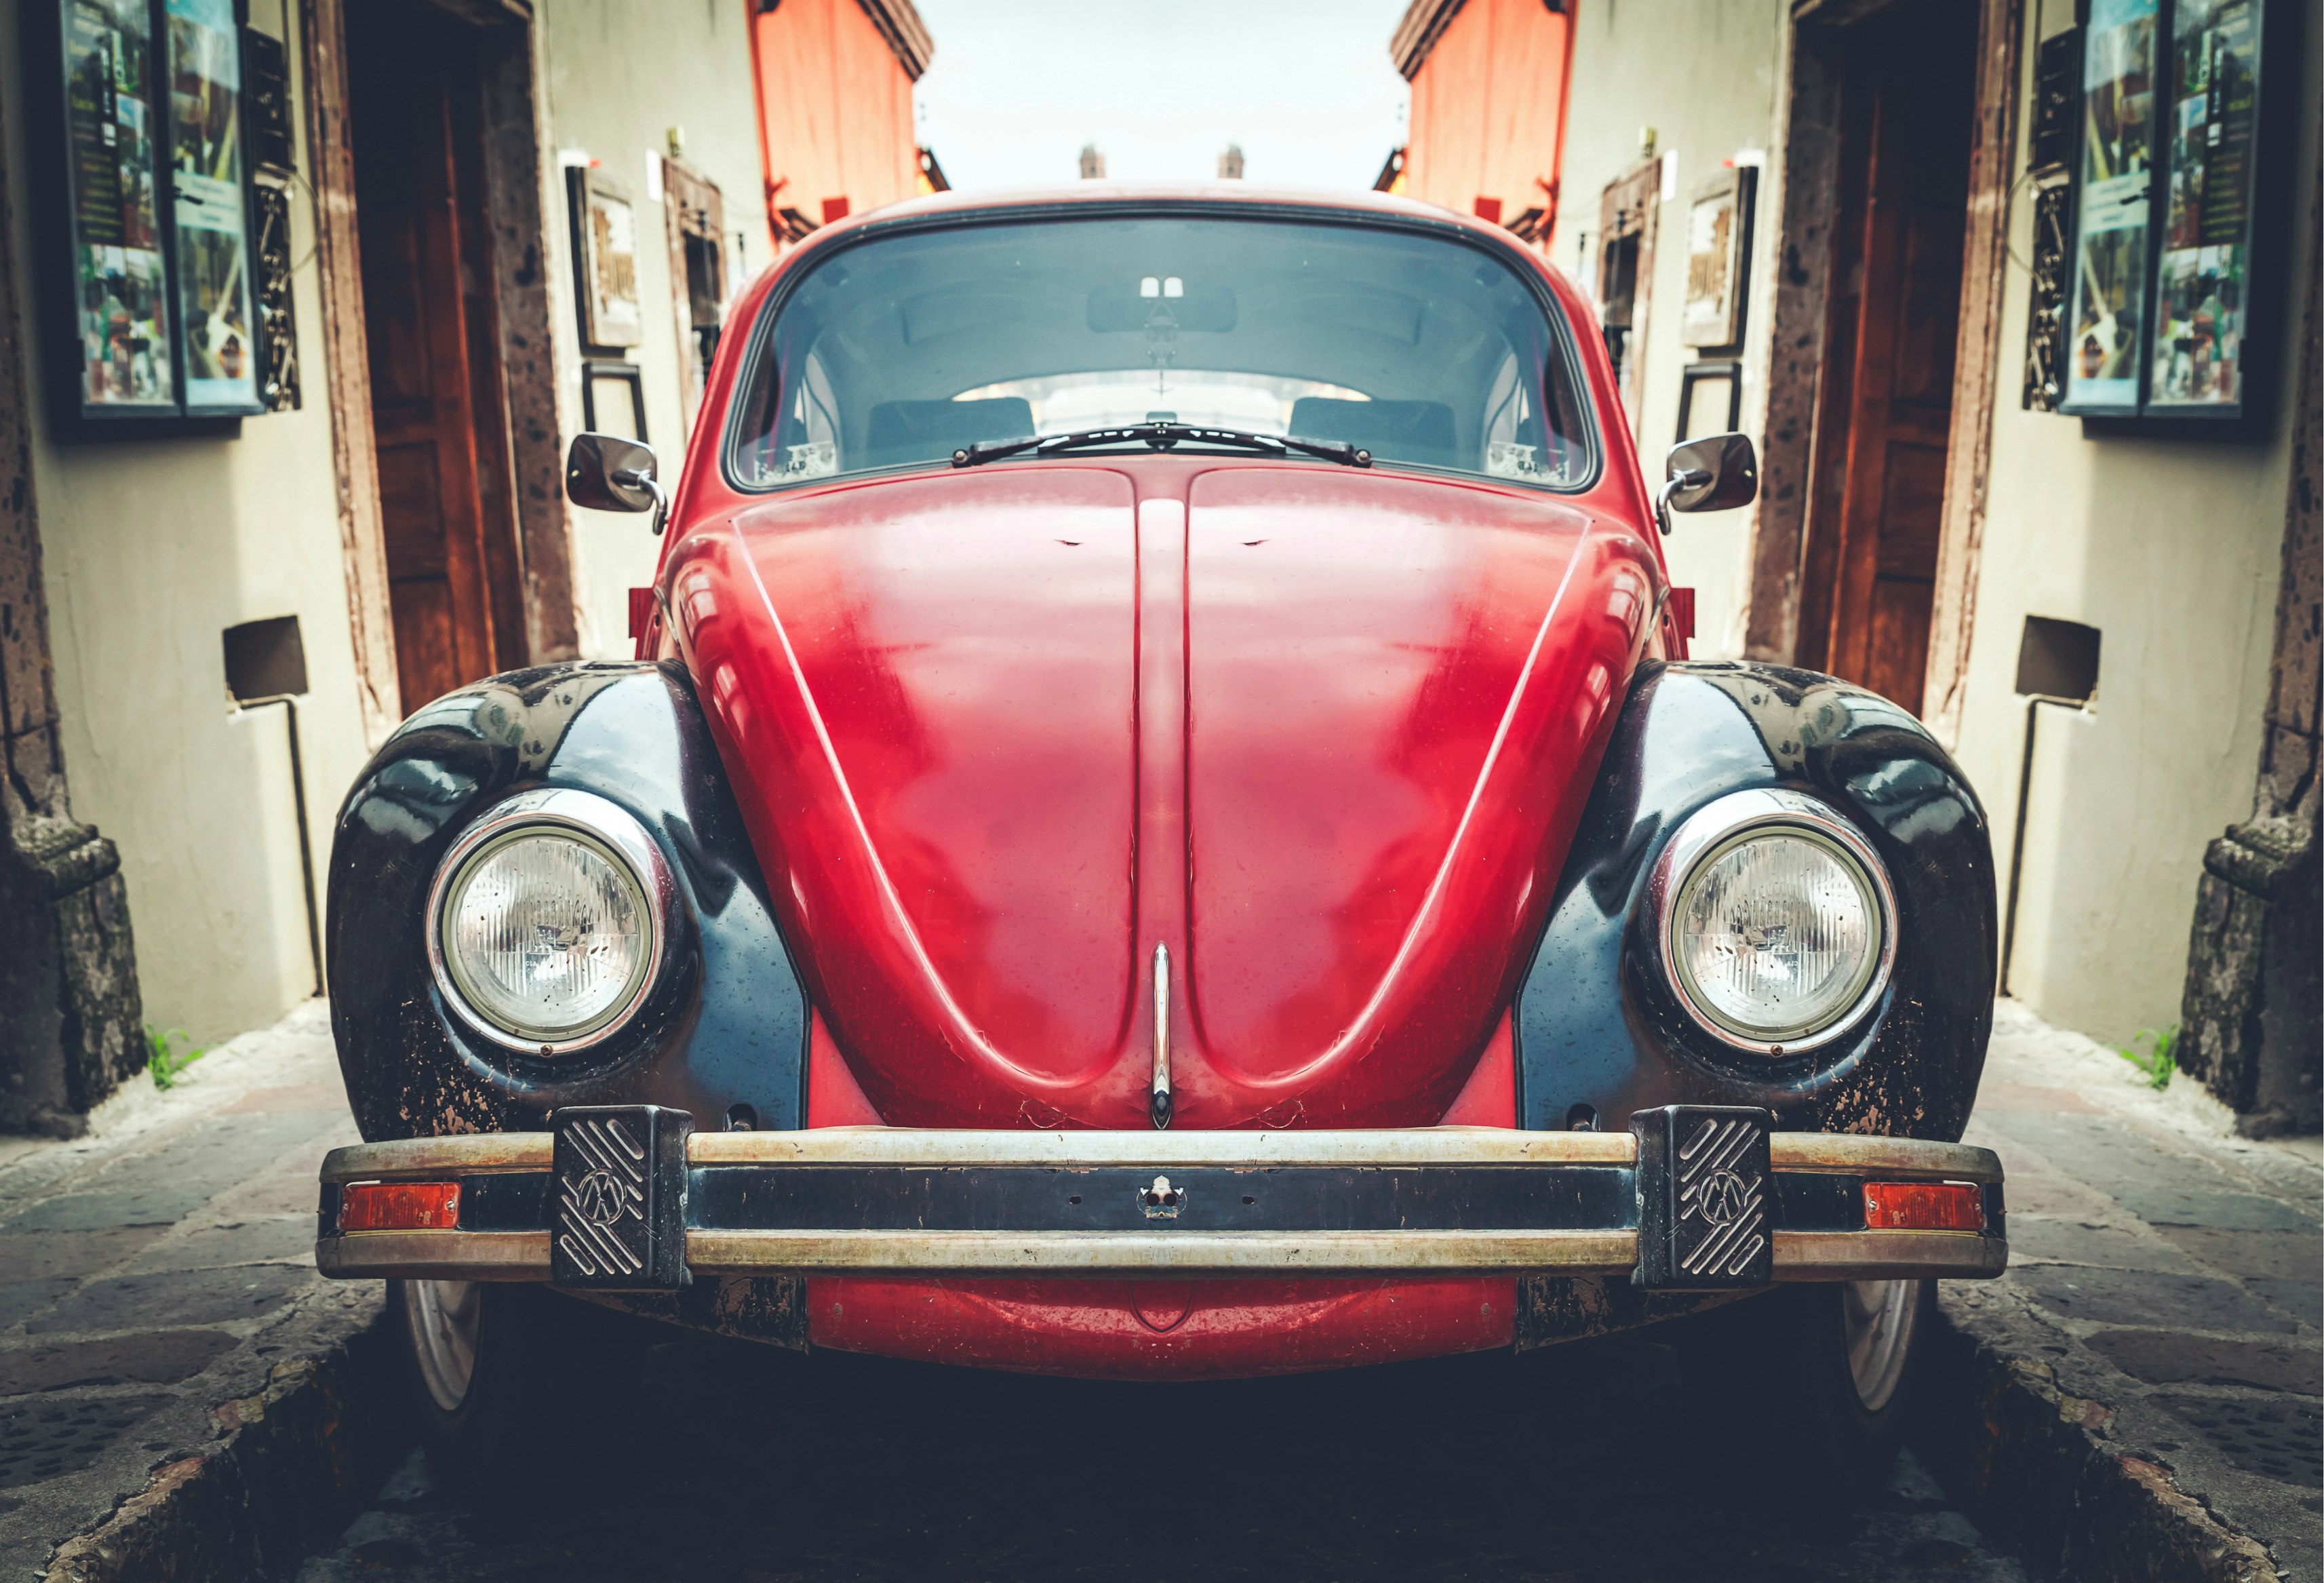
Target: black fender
727	1024
1596	1024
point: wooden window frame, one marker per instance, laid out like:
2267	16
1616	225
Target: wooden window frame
1981	360
345	366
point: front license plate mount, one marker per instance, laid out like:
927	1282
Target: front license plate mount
617	1202
1706	1199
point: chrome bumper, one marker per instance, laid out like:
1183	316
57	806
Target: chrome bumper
903	1202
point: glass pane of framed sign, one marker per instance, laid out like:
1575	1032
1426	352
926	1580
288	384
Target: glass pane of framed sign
212	205
124	320
147	281
2170	255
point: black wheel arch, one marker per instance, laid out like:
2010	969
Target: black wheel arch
1597	1024
727	1024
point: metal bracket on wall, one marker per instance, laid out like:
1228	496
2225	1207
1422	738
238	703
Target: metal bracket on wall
2057	105
2053	210
266	664
278	325
2057	664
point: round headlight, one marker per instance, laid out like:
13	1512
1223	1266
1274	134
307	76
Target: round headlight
1776	920
546	932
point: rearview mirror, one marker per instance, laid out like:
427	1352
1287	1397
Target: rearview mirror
604	472
1715	474
1162	303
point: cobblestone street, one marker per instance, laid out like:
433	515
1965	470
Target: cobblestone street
2165	1272
159	1299
157	1281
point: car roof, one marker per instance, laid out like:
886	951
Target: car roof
967	205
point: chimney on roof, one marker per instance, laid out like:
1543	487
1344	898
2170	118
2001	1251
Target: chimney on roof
1093	163
1231	164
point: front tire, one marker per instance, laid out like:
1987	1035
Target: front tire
501	1375
1826	1374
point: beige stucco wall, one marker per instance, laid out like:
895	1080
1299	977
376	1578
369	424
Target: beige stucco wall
1707	74
152	548
2168	546
2171	548
617	74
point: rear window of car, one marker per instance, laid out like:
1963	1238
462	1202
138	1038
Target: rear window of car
1422	348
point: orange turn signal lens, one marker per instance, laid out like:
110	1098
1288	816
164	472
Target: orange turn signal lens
1923	1205
400	1206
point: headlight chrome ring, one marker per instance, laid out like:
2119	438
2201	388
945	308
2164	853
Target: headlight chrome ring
602	829
1720	827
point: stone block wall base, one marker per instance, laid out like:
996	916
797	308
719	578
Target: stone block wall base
71	1024
2250	1028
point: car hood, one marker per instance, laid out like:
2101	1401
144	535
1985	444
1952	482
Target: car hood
1322	735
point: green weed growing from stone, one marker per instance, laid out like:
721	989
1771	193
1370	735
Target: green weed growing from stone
165	1061
2159	1059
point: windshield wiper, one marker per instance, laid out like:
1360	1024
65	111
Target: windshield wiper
1162	437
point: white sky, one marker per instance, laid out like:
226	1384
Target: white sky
1019	86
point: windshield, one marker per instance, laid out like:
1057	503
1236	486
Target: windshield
1418	349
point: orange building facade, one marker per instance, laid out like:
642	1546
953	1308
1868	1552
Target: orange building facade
834	80
1488	90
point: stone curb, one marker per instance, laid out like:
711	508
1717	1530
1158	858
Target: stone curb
291	1464
2023	1457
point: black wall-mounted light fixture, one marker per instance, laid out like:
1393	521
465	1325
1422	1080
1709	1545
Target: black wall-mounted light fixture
266	663
2057	663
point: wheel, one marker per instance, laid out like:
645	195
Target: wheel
502	1376
1822	1373
1880	1321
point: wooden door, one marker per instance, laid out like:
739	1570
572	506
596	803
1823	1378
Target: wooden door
438	400
1885	405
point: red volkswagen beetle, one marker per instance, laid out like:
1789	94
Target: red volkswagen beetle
1161	828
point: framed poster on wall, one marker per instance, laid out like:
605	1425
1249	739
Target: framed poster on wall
211	206
605	257
1717	260
2107	294
2169	310
146	288
2202	284
121	357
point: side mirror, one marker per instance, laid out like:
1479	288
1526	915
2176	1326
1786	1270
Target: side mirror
1716	474
604	472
